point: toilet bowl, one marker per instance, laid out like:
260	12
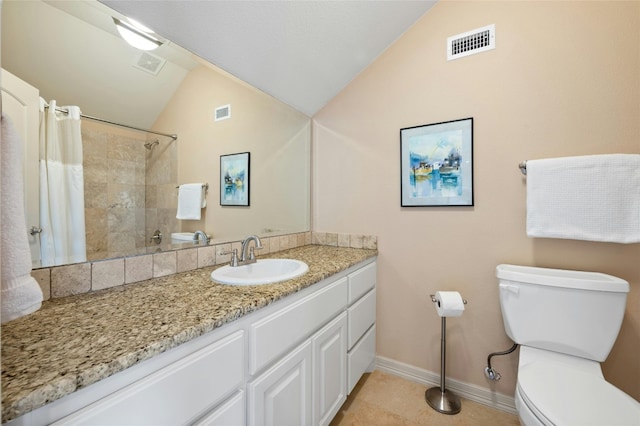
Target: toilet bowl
566	323
557	389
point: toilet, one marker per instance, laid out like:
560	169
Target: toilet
566	323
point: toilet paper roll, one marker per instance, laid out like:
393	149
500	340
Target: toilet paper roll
449	304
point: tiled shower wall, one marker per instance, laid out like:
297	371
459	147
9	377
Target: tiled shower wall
120	215
161	188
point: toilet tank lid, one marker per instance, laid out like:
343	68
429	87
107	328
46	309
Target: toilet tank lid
583	280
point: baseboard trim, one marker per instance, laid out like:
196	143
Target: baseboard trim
428	378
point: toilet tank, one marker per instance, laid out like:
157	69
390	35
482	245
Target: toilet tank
572	312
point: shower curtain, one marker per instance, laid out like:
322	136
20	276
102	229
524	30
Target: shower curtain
63	237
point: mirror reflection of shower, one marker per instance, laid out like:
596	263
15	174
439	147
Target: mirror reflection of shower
149	145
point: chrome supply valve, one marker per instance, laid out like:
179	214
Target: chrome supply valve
492	374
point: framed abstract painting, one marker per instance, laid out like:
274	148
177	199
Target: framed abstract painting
436	164
234	179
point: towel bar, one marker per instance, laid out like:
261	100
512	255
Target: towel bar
523	167
204	185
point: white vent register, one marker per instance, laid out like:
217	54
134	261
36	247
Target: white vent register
149	62
222	112
471	42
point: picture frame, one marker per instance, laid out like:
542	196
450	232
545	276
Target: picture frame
436	164
235	179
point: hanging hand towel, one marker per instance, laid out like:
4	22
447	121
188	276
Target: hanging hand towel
592	198
20	292
190	201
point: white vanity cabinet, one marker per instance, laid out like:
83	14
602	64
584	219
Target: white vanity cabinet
341	351
308	385
290	363
288	387
361	315
274	335
176	394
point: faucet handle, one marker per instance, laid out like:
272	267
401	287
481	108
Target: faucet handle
234	256
252	254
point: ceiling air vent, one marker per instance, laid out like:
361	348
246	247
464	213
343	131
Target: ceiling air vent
223	112
149	63
471	42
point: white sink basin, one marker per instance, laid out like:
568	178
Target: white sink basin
264	271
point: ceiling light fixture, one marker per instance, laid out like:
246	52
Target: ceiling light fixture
137	35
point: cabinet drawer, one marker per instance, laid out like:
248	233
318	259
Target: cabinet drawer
360	358
276	334
174	394
361	282
361	316
229	413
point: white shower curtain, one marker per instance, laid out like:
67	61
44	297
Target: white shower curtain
63	237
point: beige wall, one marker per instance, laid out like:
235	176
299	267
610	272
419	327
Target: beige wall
564	80
277	136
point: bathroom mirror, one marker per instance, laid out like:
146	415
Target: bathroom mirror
70	51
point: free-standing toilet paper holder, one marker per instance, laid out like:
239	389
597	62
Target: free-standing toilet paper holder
439	398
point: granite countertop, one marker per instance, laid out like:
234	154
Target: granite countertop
75	341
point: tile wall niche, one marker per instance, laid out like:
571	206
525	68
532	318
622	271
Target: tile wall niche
68	280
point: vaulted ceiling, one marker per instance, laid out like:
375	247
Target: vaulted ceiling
301	52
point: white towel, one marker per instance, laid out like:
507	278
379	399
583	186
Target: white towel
191	199
20	292
592	198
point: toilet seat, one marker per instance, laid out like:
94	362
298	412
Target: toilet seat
558	394
526	414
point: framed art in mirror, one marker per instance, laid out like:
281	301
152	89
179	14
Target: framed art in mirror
436	164
234	179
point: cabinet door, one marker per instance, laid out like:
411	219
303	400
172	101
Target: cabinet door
282	394
329	370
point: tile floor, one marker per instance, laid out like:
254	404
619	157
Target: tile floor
384	399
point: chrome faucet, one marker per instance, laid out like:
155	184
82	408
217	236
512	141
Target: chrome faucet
201	235
245	245
243	260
